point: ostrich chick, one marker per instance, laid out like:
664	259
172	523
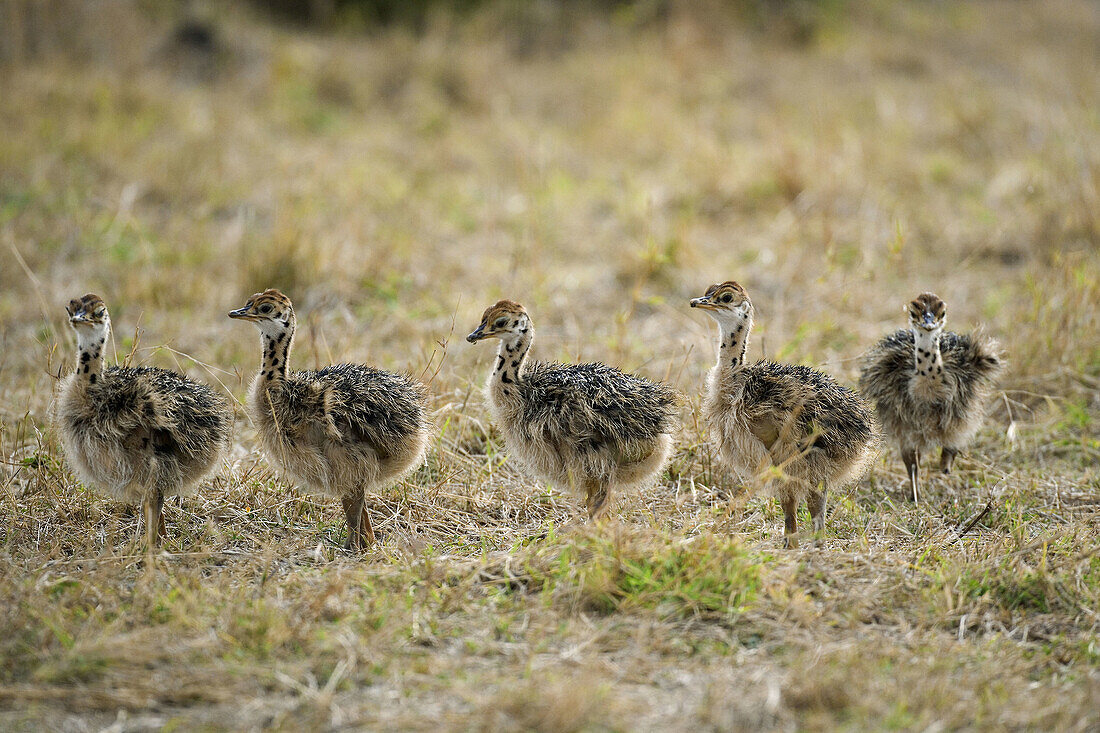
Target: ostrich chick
138	433
791	424
586	426
930	386
341	430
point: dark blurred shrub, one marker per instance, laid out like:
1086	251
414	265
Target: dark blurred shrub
798	20
362	13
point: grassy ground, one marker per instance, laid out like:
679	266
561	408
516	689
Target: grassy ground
601	173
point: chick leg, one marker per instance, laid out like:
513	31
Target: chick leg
355	513
790	521
816	502
596	498
947	458
365	527
911	458
153	509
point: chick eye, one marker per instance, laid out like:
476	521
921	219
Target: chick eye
501	322
265	308
99	313
726	297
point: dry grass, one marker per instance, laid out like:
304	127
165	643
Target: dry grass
394	185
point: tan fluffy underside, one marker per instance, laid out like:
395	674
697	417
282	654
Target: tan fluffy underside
117	463
321	462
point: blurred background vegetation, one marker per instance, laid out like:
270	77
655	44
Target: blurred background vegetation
592	158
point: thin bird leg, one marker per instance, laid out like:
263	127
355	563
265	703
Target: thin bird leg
596	498
911	458
153	508
353	510
365	528
816	502
790	521
947	458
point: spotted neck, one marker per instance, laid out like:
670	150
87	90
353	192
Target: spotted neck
511	360
733	343
926	354
276	344
89	354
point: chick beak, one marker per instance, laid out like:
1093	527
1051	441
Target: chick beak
477	334
78	317
241	313
928	321
703	302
